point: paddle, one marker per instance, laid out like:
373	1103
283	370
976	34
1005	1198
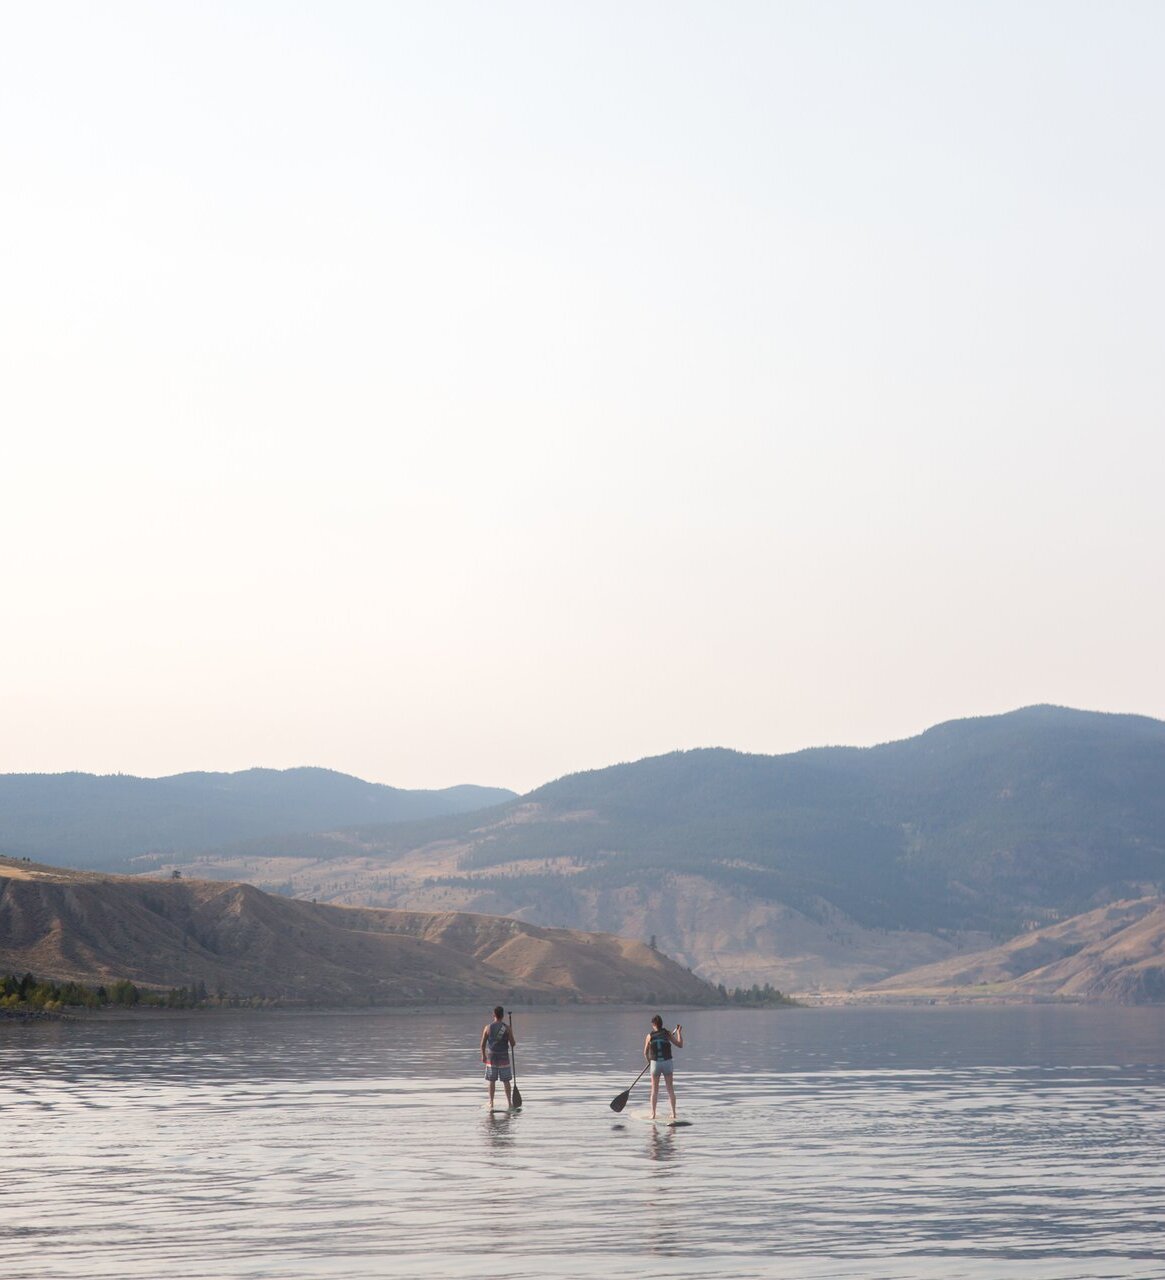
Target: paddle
515	1093
617	1104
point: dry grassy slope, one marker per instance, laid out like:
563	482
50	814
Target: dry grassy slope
724	936
234	937
1116	952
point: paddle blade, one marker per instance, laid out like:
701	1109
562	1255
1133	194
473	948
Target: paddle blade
516	1095
617	1104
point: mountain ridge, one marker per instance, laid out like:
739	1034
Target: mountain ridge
105	820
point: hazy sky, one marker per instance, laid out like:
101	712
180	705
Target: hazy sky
479	392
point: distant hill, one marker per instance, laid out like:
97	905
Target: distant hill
78	926
85	820
1116	952
830	867
1039	808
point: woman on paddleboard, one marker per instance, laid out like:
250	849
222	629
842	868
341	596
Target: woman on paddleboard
657	1050
496	1039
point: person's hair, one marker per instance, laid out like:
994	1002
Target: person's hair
657	1021
499	1012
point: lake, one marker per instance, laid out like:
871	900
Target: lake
825	1142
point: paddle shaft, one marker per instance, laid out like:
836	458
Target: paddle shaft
516	1094
620	1101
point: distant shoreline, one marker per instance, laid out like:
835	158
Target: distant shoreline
139	1013
818	1002
945	1000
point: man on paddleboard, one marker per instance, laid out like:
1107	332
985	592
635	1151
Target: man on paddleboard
496	1039
657	1050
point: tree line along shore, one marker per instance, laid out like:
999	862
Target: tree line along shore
27	995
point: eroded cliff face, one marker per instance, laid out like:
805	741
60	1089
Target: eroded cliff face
235	938
727	938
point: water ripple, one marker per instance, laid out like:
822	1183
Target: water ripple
316	1147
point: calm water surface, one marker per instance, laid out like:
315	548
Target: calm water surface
844	1143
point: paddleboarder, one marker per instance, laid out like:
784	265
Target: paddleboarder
657	1048
496	1039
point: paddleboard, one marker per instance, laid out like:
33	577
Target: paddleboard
666	1121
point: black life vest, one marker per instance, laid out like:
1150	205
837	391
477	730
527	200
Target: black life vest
497	1042
660	1045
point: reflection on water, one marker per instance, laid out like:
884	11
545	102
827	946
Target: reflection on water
825	1143
662	1144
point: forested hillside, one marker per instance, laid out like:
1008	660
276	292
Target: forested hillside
1041	808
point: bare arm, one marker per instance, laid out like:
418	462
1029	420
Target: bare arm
647	1047
484	1041
677	1036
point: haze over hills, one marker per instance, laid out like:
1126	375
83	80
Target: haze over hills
237	940
830	868
85	820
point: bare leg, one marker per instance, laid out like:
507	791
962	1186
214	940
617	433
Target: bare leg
654	1094
509	1098
491	1094
671	1093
